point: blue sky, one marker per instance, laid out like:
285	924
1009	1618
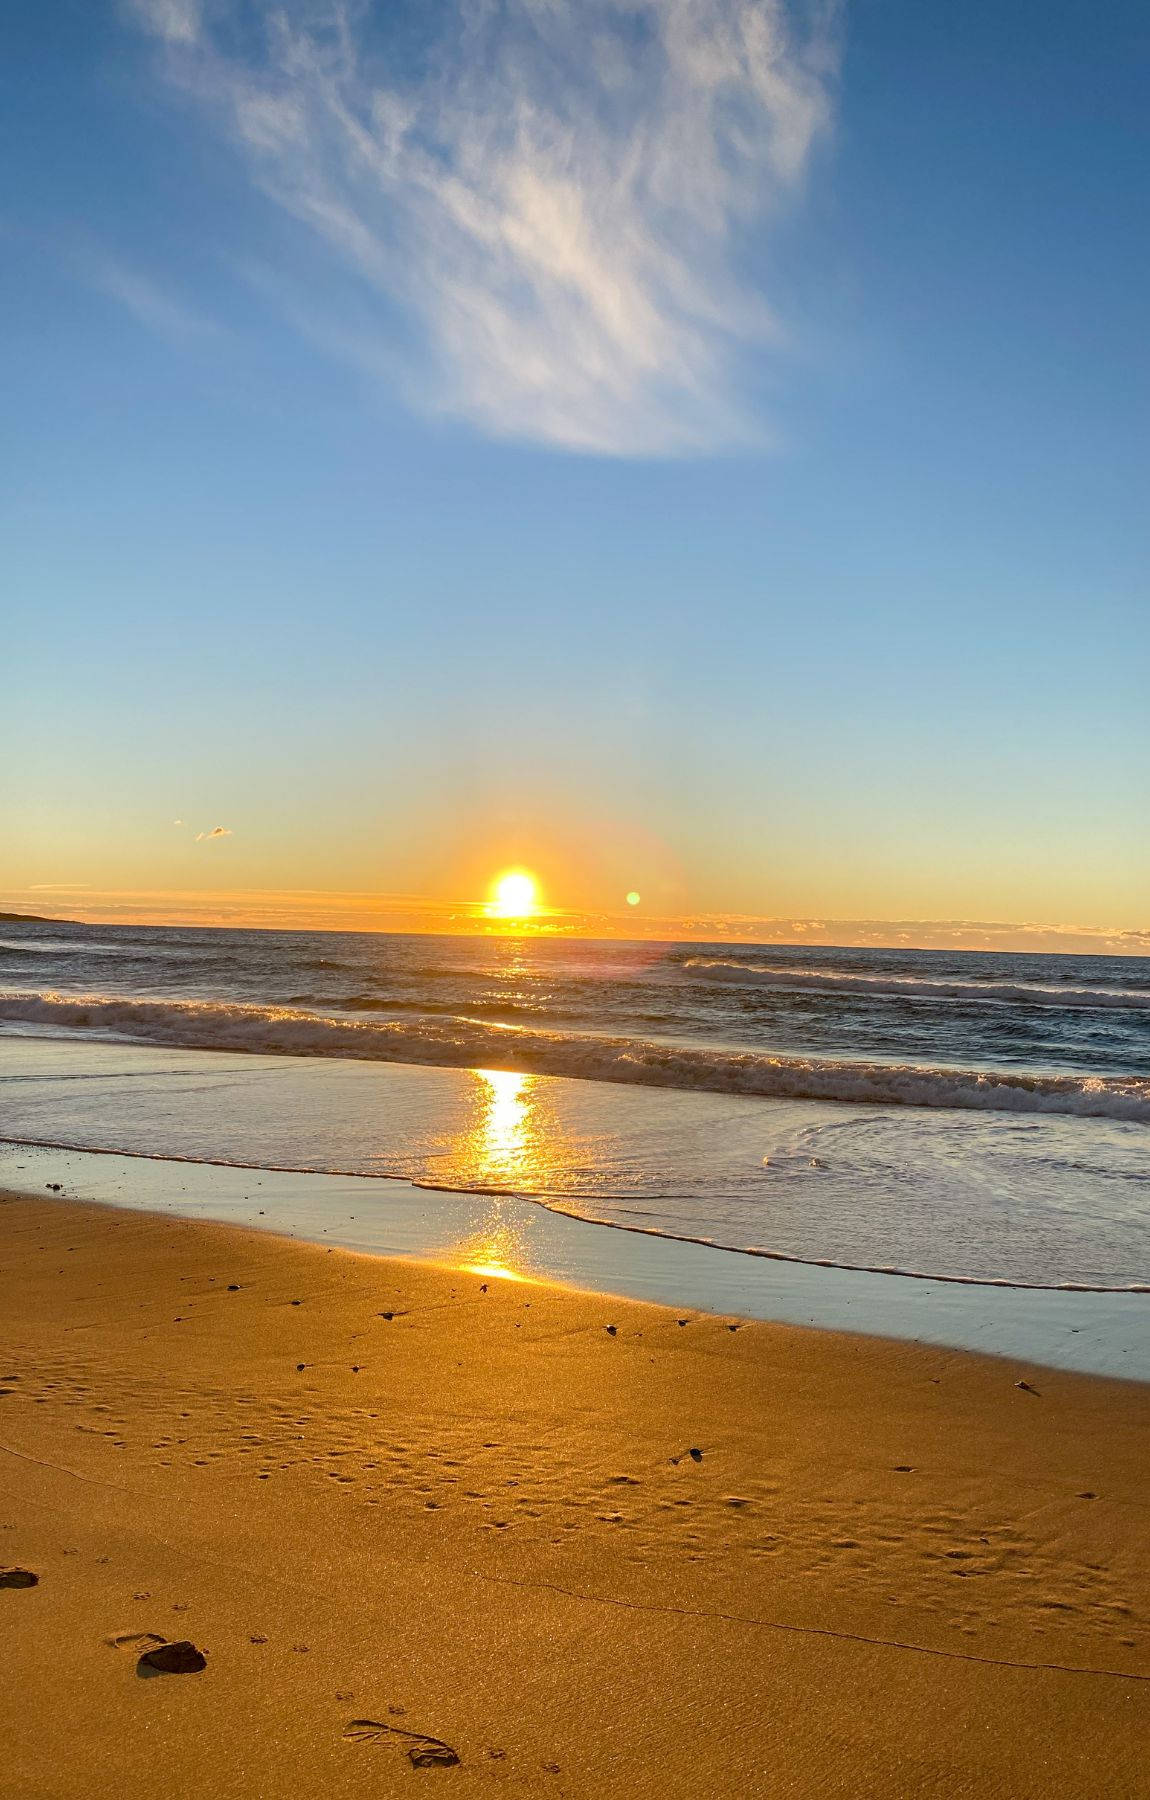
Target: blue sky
698	449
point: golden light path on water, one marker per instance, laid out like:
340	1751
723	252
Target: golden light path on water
501	1149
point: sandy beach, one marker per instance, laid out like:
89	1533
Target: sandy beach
432	1527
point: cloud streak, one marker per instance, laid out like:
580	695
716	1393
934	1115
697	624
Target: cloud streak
217	831
148	303
555	194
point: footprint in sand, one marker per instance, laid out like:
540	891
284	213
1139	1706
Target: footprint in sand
135	1640
422	1752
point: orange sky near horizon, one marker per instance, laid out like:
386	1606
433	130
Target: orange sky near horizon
328	910
422	861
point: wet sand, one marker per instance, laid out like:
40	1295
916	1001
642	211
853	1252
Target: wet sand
584	1546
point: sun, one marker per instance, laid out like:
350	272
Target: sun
514	895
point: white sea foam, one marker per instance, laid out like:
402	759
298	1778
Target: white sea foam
839	981
463	1042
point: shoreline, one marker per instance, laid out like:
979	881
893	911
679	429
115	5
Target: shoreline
475	1513
549	1202
1101	1333
813	1186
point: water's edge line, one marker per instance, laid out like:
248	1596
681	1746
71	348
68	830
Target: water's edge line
675	1237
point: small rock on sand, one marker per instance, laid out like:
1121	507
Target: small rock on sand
180	1658
432	1756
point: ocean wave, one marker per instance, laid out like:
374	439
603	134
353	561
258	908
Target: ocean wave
493	1010
460	1042
72	950
839	981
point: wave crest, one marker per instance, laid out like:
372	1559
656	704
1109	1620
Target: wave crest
835	981
460	1042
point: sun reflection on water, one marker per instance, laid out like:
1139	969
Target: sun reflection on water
503	1130
491	1254
500	1147
501	1150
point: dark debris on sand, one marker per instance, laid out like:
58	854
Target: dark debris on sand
180	1658
18	1578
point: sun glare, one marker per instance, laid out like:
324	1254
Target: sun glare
514	895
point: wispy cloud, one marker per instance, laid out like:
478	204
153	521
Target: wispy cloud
217	831
556	192
176	20
149	303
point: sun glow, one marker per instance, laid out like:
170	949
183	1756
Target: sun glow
514	895
496	1271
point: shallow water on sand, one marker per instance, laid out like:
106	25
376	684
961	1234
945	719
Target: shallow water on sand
970	1197
501	1237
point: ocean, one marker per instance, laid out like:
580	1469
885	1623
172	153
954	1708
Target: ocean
973	1117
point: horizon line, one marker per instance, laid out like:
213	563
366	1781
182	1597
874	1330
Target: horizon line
372	913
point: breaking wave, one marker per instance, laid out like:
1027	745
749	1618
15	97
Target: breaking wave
463	1042
836	981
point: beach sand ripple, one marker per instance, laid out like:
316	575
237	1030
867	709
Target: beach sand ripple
422	1521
